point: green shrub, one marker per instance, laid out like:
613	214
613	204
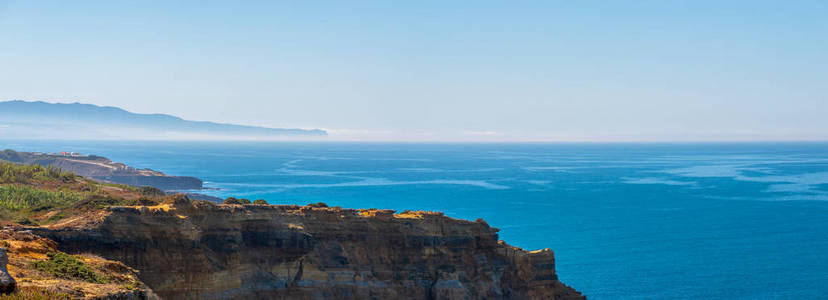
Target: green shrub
17	173
231	200
26	222
150	191
260	201
177	199
320	204
99	201
142	201
244	201
64	265
56	217
18	197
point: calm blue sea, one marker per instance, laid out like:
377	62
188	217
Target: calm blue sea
625	220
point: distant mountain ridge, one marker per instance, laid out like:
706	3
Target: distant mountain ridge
54	120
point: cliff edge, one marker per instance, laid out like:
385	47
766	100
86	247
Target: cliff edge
200	250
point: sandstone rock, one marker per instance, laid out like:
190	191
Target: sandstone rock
291	252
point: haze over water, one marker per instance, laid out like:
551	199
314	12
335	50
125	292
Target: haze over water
625	220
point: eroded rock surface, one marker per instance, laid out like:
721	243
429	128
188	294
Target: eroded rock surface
208	251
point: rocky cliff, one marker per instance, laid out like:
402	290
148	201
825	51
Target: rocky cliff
200	250
101	168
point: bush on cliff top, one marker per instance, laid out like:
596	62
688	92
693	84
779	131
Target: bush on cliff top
16	173
177	199
18	197
320	204
64	265
33	194
260	201
233	200
142	201
150	191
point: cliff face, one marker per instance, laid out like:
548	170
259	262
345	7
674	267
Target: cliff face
206	251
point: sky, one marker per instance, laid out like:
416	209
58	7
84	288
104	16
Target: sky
437	70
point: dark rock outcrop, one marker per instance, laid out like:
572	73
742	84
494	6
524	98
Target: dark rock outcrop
7	282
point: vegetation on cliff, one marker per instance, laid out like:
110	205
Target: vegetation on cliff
233	200
95	167
20	197
43	272
38	195
22	174
64	265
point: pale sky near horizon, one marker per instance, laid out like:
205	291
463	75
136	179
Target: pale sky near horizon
437	70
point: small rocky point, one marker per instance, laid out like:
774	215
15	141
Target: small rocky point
21	250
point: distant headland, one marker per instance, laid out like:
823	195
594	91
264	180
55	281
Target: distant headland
101	168
42	120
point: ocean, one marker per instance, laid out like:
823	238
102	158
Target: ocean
664	221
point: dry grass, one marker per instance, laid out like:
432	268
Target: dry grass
35	293
26	251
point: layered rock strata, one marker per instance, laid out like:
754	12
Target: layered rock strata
201	250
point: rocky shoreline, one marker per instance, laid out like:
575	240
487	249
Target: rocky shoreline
102	169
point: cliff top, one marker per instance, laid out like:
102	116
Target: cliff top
33	195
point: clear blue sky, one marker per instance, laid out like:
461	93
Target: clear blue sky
437	70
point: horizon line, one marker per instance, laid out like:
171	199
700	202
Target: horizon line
390	141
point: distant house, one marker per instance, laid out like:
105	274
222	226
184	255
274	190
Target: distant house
74	154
